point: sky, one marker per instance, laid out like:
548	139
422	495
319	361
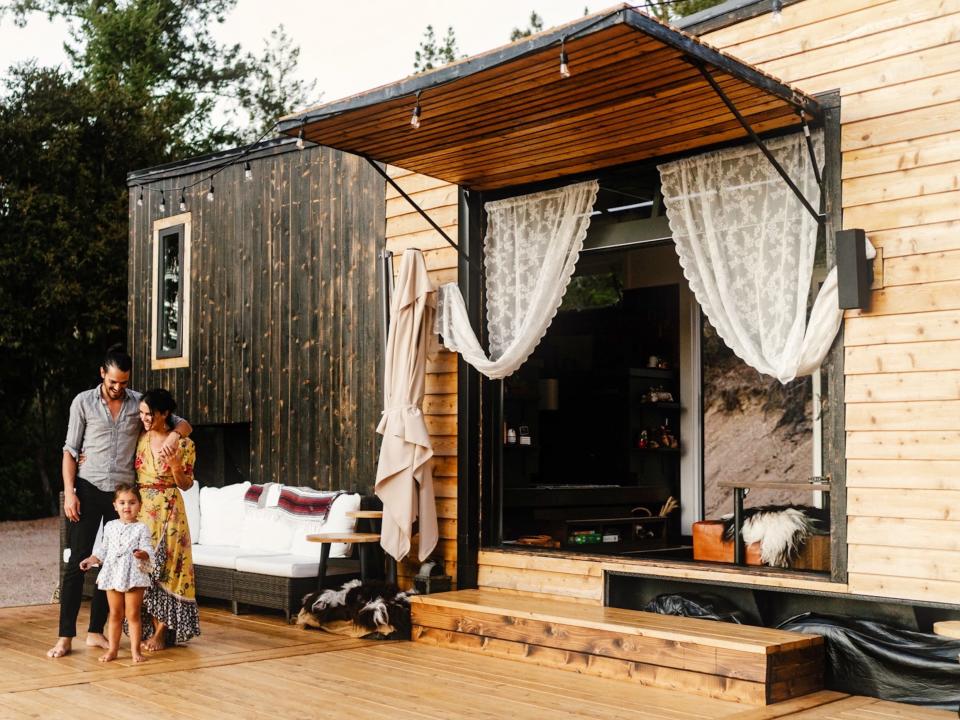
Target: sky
348	47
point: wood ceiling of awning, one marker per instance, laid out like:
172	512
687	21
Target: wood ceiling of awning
507	118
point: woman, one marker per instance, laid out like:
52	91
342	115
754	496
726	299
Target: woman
171	602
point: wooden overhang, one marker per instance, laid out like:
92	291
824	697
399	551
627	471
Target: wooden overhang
637	90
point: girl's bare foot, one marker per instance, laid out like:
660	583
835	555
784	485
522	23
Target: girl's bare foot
97	640
137	657
108	656
61	649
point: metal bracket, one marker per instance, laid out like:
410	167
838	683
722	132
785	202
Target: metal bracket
820	218
422	212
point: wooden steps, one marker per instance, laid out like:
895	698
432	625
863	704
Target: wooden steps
758	666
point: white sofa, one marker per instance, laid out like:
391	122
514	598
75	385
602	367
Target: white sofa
260	555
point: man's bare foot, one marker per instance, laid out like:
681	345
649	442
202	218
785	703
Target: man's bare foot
97	640
108	656
154	643
61	649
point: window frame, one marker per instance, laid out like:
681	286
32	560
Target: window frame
479	463
176	225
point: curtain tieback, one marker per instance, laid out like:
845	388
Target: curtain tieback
412	409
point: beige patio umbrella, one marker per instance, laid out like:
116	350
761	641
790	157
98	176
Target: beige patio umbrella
404	473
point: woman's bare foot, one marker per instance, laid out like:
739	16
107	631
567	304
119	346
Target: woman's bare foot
97	640
154	643
108	656
61	649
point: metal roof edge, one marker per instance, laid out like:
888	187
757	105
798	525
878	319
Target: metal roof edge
179	168
726	14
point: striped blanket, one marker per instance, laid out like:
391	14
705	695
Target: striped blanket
297	501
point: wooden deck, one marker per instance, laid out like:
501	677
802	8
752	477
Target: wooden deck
256	666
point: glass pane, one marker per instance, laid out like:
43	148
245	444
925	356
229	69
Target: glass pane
169	325
754	428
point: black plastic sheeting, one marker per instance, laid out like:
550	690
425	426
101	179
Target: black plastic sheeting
705	606
881	661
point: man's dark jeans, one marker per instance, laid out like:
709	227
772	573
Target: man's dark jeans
95	505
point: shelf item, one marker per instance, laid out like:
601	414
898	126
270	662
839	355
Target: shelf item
615	535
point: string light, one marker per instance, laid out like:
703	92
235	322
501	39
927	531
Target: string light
163	202
140	199
210	193
300	139
777	6
247	171
183	202
415	116
564	61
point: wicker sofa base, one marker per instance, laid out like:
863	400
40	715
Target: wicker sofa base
267	591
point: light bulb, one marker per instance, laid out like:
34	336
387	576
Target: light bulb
163	202
564	65
777	15
247	171
300	139
140	199
183	202
415	116
210	193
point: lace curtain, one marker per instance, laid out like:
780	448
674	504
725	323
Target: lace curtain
747	246
530	252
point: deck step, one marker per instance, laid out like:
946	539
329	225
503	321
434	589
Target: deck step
747	664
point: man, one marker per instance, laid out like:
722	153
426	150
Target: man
104	425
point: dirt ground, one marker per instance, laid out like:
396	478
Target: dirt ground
28	561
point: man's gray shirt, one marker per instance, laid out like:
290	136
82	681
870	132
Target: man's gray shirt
109	446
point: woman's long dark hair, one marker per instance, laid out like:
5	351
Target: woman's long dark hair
159	401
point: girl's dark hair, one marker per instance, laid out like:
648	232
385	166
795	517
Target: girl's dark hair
159	401
117	357
127	488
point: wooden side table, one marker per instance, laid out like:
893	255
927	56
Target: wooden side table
368	542
742	487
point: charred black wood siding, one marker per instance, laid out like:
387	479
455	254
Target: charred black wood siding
284	313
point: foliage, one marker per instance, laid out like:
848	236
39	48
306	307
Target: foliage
275	88
434	53
588	292
143	89
535	25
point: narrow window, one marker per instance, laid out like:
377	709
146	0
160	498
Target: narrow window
171	292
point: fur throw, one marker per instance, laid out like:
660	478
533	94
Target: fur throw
375	606
781	530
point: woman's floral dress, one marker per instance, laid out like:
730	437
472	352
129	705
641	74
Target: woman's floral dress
172	599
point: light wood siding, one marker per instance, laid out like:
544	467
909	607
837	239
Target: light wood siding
896	64
408	229
284	312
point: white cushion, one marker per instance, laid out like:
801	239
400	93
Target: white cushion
219	556
293	566
266	529
337	521
221	514
191	501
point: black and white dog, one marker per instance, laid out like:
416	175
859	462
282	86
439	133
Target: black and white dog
373	605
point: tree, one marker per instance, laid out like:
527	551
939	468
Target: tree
145	82
534	25
433	53
275	89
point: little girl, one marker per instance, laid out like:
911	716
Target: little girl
125	554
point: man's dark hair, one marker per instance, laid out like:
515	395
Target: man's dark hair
159	400
117	357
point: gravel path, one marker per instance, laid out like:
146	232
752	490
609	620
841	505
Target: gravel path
28	561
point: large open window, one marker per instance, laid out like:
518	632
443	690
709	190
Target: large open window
614	436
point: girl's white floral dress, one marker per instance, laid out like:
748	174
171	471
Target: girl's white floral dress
119	569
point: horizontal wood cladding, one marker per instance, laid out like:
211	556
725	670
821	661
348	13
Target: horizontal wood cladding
285	323
406	228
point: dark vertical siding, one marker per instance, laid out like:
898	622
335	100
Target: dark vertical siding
284	331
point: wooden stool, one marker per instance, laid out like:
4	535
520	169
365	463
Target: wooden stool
368	551
362	539
375	517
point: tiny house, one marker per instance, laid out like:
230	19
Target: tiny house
584	474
